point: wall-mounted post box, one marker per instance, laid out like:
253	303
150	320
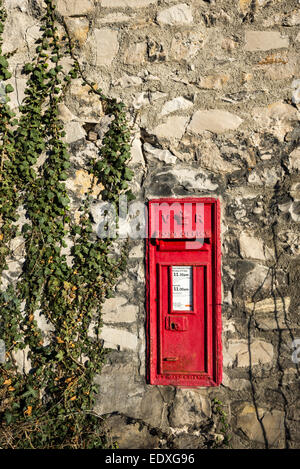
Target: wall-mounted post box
184	292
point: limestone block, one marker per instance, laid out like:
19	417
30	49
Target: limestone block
137	157
117	310
264	40
253	248
190	179
118	338
126	81
270	313
237	353
85	106
25	32
214	82
75	7
106	45
126	3
74	132
152	153
136	53
180	14
176	104
272	423
120	391
189	407
84	182
130	435
78	28
214	120
173	128
294	160
210	158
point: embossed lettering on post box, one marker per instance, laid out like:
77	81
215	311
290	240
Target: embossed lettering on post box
184	292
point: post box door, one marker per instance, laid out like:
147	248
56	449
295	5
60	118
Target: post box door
184	293
183	316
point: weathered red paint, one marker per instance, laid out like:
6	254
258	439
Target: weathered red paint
184	346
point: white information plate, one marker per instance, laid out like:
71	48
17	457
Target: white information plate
182	280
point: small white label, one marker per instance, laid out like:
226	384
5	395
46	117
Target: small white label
182	279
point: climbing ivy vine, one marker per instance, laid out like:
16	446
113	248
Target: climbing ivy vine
51	406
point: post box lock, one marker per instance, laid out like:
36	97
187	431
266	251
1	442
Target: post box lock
184	292
176	324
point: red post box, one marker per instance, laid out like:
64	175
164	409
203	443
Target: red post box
184	292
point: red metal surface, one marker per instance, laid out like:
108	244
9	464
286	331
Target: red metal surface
184	345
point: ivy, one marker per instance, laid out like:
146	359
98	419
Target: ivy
51	406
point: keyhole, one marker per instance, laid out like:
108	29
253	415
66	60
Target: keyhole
173	326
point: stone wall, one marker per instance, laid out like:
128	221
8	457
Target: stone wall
212	90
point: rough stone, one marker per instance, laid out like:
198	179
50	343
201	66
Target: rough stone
264	40
152	154
127	81
186	46
117	310
106	45
136	53
180	14
214	120
127	395
294	160
189	407
25	32
173	128
130	435
84	182
253	248
237	353
210	158
86	106
76	7
176	104
126	3
191	179
74	132
118	338
214	82
78	28
271	427
137	157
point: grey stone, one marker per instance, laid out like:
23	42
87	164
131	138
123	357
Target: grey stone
153	153
129	435
191	179
119	391
189	407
